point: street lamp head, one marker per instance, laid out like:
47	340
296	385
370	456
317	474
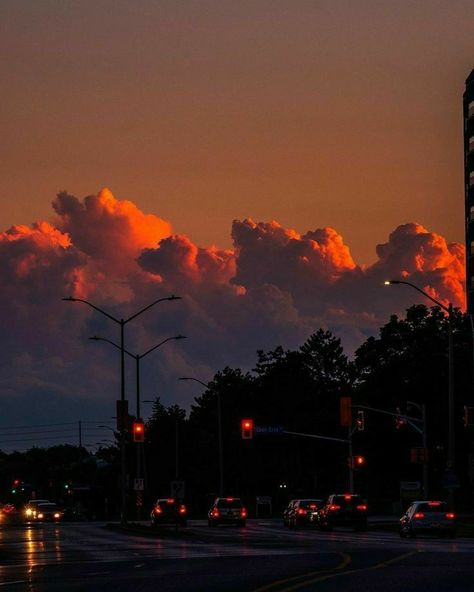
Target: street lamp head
389	282
69	298
180	337
95	338
173	297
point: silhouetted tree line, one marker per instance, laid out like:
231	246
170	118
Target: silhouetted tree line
300	391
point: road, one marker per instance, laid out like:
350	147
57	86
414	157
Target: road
264	557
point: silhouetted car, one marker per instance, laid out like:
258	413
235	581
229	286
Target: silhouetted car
48	512
302	511
287	511
169	511
227	510
428	517
343	510
30	509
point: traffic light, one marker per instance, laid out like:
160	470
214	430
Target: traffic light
122	415
15	485
345	410
138	431
358	462
468	416
360	421
400	420
246	426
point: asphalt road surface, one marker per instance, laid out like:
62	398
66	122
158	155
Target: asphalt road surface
264	557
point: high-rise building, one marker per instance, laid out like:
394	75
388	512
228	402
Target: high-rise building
468	109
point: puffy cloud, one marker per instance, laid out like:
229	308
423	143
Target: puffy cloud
275	287
112	232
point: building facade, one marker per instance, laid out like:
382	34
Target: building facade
468	110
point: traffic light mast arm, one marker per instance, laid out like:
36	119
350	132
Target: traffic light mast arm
410	420
344	440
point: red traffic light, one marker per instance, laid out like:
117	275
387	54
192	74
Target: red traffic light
246	426
138	431
359	461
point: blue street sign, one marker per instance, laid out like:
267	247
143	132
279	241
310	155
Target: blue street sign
262	430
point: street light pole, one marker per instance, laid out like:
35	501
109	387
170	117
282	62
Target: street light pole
220	444
451	443
122	323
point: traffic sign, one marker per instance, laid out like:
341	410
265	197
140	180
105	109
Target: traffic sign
177	489
139	484
262	430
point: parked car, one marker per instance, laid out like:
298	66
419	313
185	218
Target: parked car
227	510
30	509
302	512
346	509
428	517
48	512
287	511
169	511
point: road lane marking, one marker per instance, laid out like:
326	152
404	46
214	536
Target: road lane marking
329	576
14	582
346	559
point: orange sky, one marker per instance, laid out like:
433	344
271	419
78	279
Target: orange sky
311	113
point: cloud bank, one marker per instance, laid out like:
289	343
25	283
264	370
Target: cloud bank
275	287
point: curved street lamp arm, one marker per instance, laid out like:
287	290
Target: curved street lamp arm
150	305
112	343
207	385
448	309
161	343
71	299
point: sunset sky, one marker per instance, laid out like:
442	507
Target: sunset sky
271	162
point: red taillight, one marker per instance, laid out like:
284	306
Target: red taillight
215	513
229	499
182	509
347	497
243	512
334	507
434	504
301	512
362	507
170	500
418	515
312	506
158	510
450	515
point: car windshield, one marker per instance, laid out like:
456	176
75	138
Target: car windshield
432	507
228	503
311	504
47	507
347	500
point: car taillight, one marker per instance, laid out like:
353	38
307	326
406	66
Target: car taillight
215	513
158	510
56	515
362	507
418	515
450	515
301	511
334	507
182	509
243	512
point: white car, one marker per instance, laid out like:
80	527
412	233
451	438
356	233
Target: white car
428	517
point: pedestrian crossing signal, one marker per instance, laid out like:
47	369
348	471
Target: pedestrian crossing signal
138	431
246	426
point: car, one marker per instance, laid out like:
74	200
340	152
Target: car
227	510
302	511
343	509
428	517
30	509
48	512
169	511
9	514
287	512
